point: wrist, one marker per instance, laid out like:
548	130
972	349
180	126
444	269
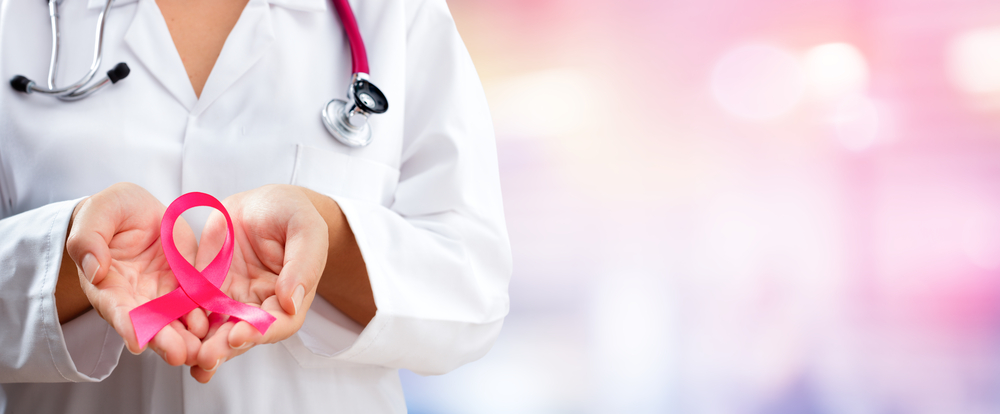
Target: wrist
345	279
327	208
72	217
71	302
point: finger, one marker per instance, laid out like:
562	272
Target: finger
176	345
215	321
170	345
114	300
196	322
123	325
244	335
242	338
284	325
306	247
192	343
117	315
122	205
201	375
93	227
214	351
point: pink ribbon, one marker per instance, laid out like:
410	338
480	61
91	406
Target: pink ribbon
197	289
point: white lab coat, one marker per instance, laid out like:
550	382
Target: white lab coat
423	199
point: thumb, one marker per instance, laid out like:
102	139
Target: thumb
306	247
87	243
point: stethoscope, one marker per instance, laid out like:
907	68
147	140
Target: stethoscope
346	120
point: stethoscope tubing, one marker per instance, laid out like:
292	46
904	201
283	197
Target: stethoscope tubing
54	60
76	90
359	57
345	120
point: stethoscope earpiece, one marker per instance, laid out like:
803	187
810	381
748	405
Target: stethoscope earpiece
21	84
119	72
347	120
79	89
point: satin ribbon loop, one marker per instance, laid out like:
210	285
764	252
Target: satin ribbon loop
197	289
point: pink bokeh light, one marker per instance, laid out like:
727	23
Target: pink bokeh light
721	206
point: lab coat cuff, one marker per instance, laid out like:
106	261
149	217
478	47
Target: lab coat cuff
327	331
34	346
93	345
353	210
87	348
391	339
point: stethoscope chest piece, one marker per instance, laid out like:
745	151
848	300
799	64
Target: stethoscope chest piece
347	120
342	130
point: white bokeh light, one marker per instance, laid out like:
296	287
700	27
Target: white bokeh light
546	103
974	61
758	82
835	70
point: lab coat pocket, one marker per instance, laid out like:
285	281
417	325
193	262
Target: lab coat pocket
337	174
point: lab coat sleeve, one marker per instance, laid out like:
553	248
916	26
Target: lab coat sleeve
33	345
438	257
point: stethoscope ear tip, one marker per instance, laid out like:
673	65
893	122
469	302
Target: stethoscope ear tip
119	72
20	83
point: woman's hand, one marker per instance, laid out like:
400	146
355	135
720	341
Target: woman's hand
279	255
114	240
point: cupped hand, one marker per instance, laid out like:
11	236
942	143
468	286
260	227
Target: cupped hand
115	242
279	255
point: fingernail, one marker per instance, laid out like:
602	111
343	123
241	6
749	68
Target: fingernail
133	353
217	362
90	266
297	296
245	345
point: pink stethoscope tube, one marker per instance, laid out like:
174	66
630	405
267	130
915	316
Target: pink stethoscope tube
347	120
359	58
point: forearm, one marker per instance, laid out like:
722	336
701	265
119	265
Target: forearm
71	302
345	278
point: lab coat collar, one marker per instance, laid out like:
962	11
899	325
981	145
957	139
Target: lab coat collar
97	4
150	41
249	40
303	5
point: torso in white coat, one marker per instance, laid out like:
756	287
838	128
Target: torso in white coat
423	198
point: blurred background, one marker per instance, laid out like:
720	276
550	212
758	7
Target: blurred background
741	206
